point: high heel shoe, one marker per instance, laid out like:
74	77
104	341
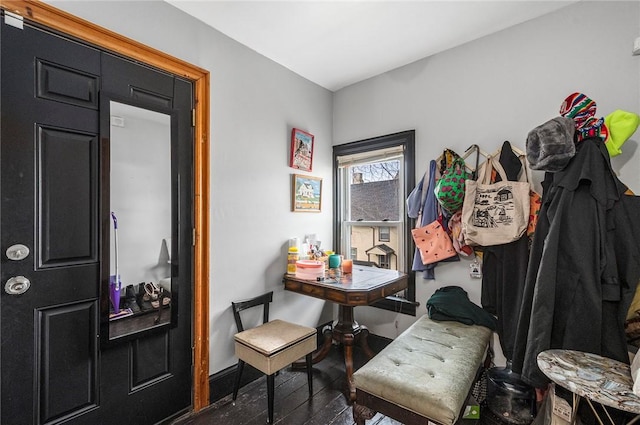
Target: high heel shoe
144	299
156	295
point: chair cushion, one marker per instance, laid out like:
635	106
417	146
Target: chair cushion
428	369
274	345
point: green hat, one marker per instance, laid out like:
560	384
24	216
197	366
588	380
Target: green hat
621	125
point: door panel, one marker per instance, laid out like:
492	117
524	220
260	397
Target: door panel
66	85
129	79
67	197
144	372
160	363
52	366
38	143
66	335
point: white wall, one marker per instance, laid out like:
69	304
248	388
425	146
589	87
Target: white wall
494	89
487	91
254	105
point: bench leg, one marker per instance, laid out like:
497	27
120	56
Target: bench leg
362	413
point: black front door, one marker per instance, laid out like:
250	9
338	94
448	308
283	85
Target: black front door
53	367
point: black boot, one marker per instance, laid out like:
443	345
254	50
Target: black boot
130	299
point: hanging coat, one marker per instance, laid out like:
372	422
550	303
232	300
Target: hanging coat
504	269
584	265
423	206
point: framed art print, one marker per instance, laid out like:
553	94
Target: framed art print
301	150
306	193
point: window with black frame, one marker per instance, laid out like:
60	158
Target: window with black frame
372	179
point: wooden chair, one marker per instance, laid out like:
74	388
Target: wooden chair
271	346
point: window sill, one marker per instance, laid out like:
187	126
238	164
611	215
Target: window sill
398	305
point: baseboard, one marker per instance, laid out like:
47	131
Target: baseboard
182	414
377	343
221	383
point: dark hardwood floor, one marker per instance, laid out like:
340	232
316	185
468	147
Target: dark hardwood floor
292	405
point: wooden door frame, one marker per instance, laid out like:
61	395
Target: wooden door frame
56	19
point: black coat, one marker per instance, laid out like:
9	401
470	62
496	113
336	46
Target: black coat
584	264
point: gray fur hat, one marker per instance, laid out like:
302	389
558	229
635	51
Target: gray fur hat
550	146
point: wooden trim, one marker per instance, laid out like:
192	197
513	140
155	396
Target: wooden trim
66	23
201	249
51	17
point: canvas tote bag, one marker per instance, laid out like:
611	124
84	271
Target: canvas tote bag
495	213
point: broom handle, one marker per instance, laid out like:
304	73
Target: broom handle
115	238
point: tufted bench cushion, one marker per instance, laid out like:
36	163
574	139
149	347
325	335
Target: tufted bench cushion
428	370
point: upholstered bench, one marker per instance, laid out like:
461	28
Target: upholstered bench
426	373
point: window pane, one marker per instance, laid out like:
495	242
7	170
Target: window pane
384	234
367	249
374	194
374	191
371	181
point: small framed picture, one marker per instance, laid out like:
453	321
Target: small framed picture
301	150
306	193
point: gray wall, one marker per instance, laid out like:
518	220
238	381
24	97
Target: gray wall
494	89
487	91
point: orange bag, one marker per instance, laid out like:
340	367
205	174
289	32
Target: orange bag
433	242
535	203
535	200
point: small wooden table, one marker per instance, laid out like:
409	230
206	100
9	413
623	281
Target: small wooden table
362	287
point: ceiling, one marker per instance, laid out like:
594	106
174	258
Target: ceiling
338	43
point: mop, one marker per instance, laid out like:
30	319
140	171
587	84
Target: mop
114	280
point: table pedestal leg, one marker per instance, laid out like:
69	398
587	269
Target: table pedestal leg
319	354
346	332
364	344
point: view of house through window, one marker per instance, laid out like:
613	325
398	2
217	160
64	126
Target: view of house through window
373	178
373	224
